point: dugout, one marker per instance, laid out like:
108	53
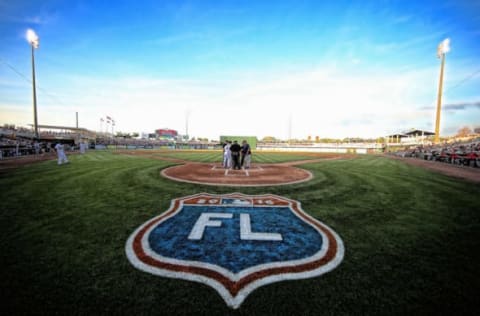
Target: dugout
251	140
65	134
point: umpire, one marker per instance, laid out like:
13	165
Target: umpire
246	154
235	150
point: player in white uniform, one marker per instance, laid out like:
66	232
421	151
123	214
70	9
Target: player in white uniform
227	155
36	146
83	146
62	158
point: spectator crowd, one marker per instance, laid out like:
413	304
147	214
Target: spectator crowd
23	147
465	154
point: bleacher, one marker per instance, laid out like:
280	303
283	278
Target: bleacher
460	153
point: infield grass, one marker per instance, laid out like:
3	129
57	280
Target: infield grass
257	157
412	240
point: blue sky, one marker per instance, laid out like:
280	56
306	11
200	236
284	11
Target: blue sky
264	68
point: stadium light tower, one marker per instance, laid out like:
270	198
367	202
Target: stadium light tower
32	38
443	48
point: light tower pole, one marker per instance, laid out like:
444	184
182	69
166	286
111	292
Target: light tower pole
32	38
443	48
187	116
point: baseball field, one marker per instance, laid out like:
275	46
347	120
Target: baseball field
411	238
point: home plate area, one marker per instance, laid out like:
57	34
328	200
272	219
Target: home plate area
257	175
236	173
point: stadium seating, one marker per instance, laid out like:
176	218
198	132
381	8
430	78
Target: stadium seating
464	154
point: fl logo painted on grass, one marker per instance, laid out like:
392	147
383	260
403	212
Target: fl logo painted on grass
235	243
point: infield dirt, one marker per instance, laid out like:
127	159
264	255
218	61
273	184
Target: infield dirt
258	175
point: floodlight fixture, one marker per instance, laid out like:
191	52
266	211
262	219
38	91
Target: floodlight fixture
32	38
443	48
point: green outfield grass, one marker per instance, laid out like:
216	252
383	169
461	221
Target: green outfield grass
257	157
412	240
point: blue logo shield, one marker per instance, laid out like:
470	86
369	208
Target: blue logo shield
235	243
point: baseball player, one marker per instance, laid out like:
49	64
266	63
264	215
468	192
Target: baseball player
227	155
36	146
62	158
83	146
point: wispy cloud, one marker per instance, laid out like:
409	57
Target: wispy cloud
403	45
461	106
181	37
41	19
402	19
458	106
200	35
21	12
37	19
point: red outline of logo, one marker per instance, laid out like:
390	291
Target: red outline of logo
234	287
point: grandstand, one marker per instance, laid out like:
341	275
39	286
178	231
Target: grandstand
413	136
19	141
459	153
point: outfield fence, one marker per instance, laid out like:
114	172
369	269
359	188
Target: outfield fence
341	148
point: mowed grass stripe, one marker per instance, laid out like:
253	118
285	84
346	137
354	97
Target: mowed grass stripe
217	156
200	156
80	207
410	237
408	234
93	155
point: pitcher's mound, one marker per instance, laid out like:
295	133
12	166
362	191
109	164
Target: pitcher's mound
257	175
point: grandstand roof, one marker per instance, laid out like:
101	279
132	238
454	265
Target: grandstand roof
418	132
76	129
397	135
